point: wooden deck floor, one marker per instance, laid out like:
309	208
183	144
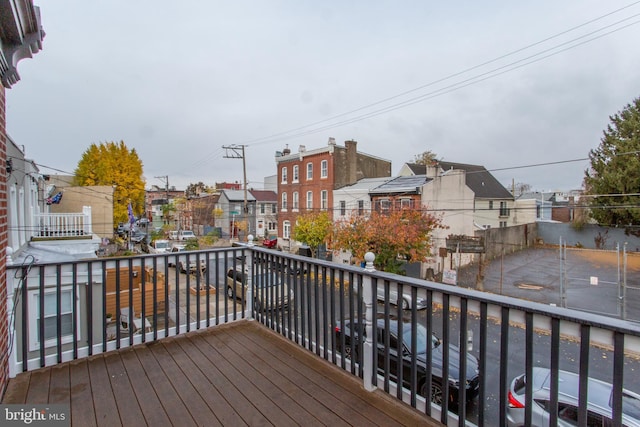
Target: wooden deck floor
231	375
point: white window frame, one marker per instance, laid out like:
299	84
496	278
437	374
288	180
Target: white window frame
283	178
309	171
309	200
286	229
343	208
324	199
324	169
34	309
296	201
296	176
284	201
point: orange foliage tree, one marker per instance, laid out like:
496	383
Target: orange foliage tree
394	237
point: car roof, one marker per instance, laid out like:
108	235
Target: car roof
599	392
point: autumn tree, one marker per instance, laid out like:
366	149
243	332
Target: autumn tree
112	163
427	158
401	235
614	175
313	229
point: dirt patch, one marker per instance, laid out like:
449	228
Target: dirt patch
607	258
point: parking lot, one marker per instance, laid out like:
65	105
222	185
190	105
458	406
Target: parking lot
592	280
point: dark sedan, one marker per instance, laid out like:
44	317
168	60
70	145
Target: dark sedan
353	331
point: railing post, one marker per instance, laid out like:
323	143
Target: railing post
249	266
368	294
87	224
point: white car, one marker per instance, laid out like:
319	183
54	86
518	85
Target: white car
405	300
159	247
186	235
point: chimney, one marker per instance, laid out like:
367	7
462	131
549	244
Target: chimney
302	148
286	151
352	161
332	141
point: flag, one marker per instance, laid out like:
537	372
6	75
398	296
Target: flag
132	218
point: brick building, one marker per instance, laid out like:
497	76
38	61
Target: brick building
21	36
306	179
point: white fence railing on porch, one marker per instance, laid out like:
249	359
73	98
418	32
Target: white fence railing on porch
64	224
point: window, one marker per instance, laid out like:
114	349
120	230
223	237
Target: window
295	173
271	225
284	174
503	224
286	229
360	207
324	199
50	318
383	205
284	201
262	208
294	205
274	208
343	207
309	200
490	205
324	169
504	211
309	171
538	211
406	203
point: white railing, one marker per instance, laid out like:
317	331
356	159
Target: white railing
57	225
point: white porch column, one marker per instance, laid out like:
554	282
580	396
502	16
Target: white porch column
368	370
249	265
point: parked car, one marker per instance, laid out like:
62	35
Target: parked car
180	261
173	235
270	242
268	288
353	331
138	236
186	235
406	300
599	411
160	246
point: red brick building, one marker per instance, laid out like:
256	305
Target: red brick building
306	179
21	36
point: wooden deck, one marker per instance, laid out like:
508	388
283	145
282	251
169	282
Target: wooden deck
231	375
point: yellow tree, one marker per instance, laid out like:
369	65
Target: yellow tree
313	229
112	163
401	235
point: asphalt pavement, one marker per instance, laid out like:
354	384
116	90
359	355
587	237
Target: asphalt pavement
592	281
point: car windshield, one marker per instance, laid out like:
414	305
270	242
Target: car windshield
162	245
421	335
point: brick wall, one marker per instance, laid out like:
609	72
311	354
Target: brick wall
4	322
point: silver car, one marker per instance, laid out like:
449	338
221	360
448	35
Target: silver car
270	292
406	300
599	405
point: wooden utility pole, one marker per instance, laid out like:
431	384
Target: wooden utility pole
237	152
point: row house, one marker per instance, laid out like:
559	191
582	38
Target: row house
266	213
156	201
236	221
307	179
492	202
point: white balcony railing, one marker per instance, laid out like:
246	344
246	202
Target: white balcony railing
59	225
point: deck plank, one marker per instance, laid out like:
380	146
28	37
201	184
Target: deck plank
193	365
153	412
104	399
235	374
167	396
128	407
82	409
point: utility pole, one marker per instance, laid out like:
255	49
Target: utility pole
237	152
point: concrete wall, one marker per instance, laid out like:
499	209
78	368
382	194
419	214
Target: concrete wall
550	233
507	239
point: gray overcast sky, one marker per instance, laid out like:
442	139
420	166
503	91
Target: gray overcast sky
178	80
